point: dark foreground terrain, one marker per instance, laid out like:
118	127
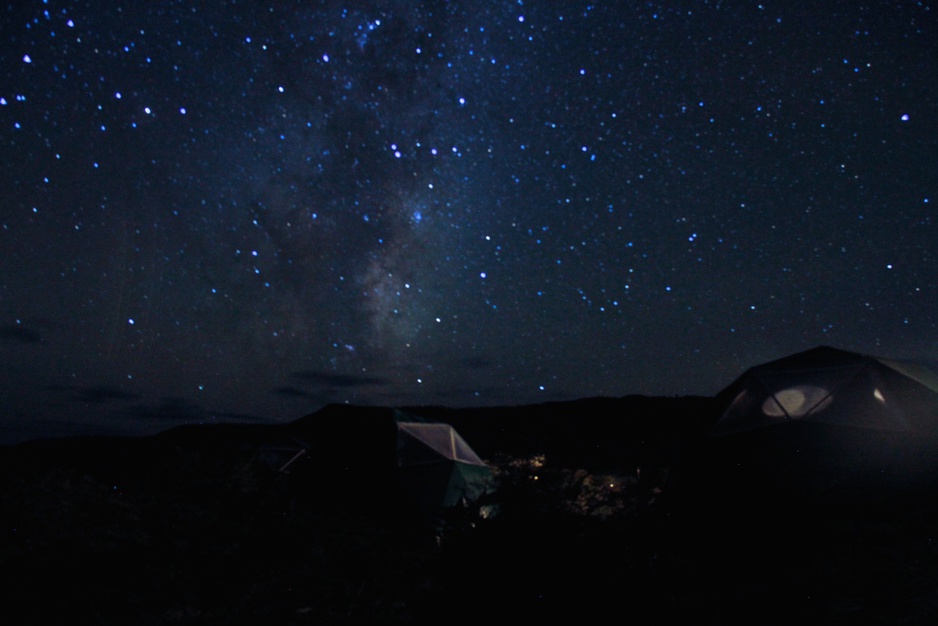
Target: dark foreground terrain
605	508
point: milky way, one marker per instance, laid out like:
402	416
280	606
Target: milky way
245	210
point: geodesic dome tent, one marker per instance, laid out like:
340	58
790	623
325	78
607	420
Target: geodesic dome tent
830	386
824	424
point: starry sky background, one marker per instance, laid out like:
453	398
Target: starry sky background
243	210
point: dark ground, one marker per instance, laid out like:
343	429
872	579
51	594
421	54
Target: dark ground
606	508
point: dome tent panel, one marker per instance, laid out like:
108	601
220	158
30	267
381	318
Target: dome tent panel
427	441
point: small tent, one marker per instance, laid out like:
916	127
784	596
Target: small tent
437	465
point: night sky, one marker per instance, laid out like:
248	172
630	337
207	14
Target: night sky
243	210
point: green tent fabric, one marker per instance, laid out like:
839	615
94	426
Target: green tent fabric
437	464
830	386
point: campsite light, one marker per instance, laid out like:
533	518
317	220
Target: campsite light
796	402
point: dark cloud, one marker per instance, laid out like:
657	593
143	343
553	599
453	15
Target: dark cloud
490	395
476	363
15	333
169	409
293	392
239	417
103	394
182	410
330	379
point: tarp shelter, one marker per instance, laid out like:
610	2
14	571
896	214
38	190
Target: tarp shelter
830	386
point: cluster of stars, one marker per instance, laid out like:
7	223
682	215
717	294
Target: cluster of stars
489	202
